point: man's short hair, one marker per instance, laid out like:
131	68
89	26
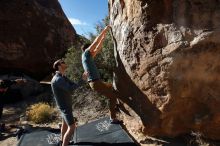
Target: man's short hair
85	46
57	63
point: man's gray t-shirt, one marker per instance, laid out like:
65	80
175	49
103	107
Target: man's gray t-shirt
89	66
62	88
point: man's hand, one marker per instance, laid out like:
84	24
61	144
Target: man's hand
107	28
20	81
85	75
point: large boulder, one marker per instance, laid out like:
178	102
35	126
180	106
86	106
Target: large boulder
33	33
168	64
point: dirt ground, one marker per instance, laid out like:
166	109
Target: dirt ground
87	108
13	118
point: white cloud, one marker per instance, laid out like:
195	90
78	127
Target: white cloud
75	21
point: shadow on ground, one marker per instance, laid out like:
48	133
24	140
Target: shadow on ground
184	140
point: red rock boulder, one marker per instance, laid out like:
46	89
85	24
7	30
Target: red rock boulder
33	33
168	64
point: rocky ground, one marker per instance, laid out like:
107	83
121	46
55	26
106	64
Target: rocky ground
87	107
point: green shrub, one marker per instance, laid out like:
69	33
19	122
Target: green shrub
105	60
73	60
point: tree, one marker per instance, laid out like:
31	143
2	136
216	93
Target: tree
73	59
104	60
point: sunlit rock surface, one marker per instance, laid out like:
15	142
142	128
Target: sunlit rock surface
168	64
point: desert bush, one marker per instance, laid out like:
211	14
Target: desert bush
40	113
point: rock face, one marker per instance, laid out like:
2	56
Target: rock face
33	33
168	63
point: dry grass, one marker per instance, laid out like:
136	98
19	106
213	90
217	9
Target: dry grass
40	113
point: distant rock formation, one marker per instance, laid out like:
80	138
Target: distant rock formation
33	33
168	63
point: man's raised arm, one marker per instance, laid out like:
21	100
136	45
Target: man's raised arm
97	43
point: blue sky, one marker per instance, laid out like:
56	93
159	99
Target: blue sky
84	14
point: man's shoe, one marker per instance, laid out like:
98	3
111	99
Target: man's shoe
59	143
116	121
120	108
71	143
